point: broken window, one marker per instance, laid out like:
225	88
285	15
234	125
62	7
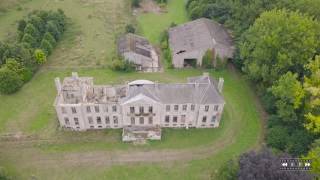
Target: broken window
88	109
114	108
96	109
131	109
184	107
176	107
216	107
167	119
150	109
204	119
66	121
150	120
141	109
107	120
115	119
206	108
213	119
175	119
192	107
76	121
98	120
73	109
141	120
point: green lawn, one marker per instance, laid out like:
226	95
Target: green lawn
30	111
152	25
87	43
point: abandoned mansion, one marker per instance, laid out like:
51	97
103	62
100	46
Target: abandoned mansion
81	105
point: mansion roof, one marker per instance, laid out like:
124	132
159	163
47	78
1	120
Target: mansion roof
198	90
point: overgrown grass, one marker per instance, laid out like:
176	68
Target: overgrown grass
151	25
31	111
90	37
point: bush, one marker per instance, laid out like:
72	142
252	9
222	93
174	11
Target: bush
10	81
220	63
277	137
130	29
46	47
207	59
27	38
122	65
40	56
48	36
135	3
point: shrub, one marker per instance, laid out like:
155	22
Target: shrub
27	38
40	56
122	65
48	36
10	81
220	63
46	47
207	59
135	3
130	28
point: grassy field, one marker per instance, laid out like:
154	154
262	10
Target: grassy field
90	38
152	25
42	151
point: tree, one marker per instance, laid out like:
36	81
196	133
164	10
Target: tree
10	81
40	56
289	94
52	28
48	36
22	25
277	137
314	154
265	166
279	41
46	47
24	73
312	88
27	38
130	28
31	30
298	142
207	59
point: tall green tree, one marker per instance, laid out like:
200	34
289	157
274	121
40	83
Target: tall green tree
289	94
279	41
10	81
312	88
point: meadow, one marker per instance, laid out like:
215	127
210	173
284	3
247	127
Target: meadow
32	145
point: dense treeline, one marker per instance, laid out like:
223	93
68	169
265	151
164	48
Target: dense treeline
278	43
37	35
263	165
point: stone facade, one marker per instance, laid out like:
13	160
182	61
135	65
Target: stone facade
80	105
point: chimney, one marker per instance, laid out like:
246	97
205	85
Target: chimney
58	84
75	75
220	84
